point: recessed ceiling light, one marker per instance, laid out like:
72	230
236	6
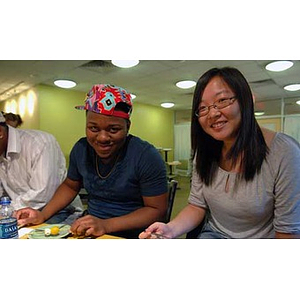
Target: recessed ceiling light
259	113
292	87
278	66
167	105
298	102
65	84
125	63
185	84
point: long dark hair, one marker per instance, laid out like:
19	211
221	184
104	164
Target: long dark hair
249	142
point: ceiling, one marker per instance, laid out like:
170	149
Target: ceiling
152	81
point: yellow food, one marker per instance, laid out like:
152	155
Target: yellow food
54	230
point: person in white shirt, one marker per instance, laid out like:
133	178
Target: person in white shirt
32	166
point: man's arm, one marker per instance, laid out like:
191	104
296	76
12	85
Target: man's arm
63	196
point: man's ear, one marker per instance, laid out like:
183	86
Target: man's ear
128	124
2	132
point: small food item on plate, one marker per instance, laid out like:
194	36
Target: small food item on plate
51	231
47	232
54	230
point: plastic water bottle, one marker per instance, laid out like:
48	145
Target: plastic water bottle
8	224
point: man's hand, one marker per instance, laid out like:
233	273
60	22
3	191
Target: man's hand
26	216
89	226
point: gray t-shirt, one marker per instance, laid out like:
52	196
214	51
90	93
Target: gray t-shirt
256	209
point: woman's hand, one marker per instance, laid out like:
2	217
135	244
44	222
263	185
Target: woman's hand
157	230
89	226
26	216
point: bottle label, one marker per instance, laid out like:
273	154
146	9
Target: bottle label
8	228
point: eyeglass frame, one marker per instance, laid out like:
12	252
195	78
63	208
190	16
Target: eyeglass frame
231	101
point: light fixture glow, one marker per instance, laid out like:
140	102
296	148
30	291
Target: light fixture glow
292	87
7	107
64	83
259	113
13	106
278	66
167	104
125	63
31	100
22	106
185	84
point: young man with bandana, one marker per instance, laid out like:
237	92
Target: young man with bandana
124	176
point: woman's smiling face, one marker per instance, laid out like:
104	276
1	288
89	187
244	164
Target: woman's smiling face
221	124
106	134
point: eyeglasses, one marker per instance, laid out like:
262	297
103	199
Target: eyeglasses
219	104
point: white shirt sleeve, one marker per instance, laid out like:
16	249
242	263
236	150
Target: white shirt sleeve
32	176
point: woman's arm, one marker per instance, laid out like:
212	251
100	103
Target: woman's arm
190	217
285	159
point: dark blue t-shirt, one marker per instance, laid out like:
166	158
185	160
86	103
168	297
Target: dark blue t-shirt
140	171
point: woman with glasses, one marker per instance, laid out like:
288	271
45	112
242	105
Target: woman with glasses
245	181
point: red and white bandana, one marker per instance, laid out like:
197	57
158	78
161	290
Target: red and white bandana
108	100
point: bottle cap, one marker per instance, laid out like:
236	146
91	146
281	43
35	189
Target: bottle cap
5	200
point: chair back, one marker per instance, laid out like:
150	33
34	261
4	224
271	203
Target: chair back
171	197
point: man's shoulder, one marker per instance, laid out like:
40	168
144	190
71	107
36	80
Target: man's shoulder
135	142
142	149
34	133
81	142
81	145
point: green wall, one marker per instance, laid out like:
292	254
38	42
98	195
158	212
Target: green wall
58	116
153	124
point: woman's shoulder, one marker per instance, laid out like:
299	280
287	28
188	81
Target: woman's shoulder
278	139
284	145
269	135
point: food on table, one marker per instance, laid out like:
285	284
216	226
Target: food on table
55	230
47	232
51	231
